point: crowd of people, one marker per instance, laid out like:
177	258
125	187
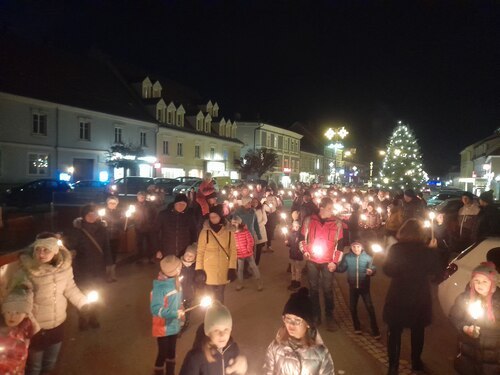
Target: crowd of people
206	239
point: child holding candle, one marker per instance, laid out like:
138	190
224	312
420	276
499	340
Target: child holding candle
476	316
214	351
360	269
295	255
244	249
167	311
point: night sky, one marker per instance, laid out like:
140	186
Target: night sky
361	64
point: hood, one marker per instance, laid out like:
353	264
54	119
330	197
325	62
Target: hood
32	267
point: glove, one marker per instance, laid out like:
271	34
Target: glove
200	277
231	274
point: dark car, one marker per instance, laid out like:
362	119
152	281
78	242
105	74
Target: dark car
90	186
167	184
187	179
129	186
35	192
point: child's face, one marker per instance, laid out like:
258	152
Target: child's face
295	227
481	284
219	335
189	257
357	249
13	318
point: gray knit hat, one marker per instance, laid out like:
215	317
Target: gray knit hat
170	265
217	315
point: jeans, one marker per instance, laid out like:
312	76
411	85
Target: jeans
394	345
354	294
251	264
42	360
315	272
296	268
217	291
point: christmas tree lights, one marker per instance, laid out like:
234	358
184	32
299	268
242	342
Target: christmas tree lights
402	166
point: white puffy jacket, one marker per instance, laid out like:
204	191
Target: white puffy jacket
52	286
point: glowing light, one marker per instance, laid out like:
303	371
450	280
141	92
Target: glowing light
206	301
128	213
427	224
290	193
476	310
283	215
235	193
432	215
92	297
59	243
250	187
376	248
363	217
317	250
231	204
101	212
284	230
379	210
223	192
131	208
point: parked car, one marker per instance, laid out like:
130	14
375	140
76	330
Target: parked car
129	186
90	186
184	188
167	184
35	192
458	272
444	195
187	179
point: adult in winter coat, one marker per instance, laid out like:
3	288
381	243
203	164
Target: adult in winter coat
479	340
214	351
467	222
413	207
47	275
89	239
271	205
298	347
216	257
488	217
261	217
177	227
114	220
322	234
145	217
408	304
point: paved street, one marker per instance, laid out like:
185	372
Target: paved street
124	344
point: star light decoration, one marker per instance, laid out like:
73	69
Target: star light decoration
402	166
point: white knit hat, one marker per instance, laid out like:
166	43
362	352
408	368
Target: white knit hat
18	301
217	315
50	243
170	265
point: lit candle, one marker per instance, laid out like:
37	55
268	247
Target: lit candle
223	192
92	297
376	248
101	212
363	217
231	204
290	193
379	210
283	215
317	250
235	193
476	311
206	301
427	224
284	230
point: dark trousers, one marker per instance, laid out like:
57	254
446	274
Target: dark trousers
114	245
316	273
217	292
394	345
166	353
258	252
145	244
272	221
354	294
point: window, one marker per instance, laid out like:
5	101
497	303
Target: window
39	124
179	149
85	129
160	115
297	164
225	155
212	153
286	163
165	147
118	135
285	147
179	120
38	164
293	164
268	141
169	117
197	151
275	141
143	140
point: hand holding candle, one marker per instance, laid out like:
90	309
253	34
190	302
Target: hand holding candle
206	301
476	311
101	212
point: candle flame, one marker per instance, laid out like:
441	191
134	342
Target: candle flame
101	212
92	297
427	224
284	230
432	215
376	248
476	310
131	208
283	215
206	301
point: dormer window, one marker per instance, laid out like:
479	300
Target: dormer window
208	123
229	126
147	88
180	120
170	119
209	108
215	110
157	90
179	115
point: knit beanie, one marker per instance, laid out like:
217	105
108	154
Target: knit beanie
170	265
50	243
181	198
487	269
18	301
487	196
217	315
217	209
299	304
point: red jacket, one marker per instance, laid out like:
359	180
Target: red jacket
244	243
321	239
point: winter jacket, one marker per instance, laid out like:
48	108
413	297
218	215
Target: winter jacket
188	273
321	238
413	209
195	362
177	230
293	243
261	217
356	267
244	243
14	342
145	217
250	220
488	222
479	355
90	262
166	300
289	358
52	285
467	222
214	259
271	204
408	302
114	223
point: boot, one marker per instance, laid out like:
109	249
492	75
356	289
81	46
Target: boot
111	273
170	367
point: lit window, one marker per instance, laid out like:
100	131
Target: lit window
38	164
212	153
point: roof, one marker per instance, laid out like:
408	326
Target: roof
43	73
192	130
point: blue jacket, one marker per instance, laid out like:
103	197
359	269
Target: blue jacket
356	267
166	300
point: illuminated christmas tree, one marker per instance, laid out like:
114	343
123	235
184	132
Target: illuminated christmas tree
402	166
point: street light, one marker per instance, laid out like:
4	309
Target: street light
335	134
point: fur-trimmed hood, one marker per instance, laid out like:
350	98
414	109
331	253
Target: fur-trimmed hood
31	266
